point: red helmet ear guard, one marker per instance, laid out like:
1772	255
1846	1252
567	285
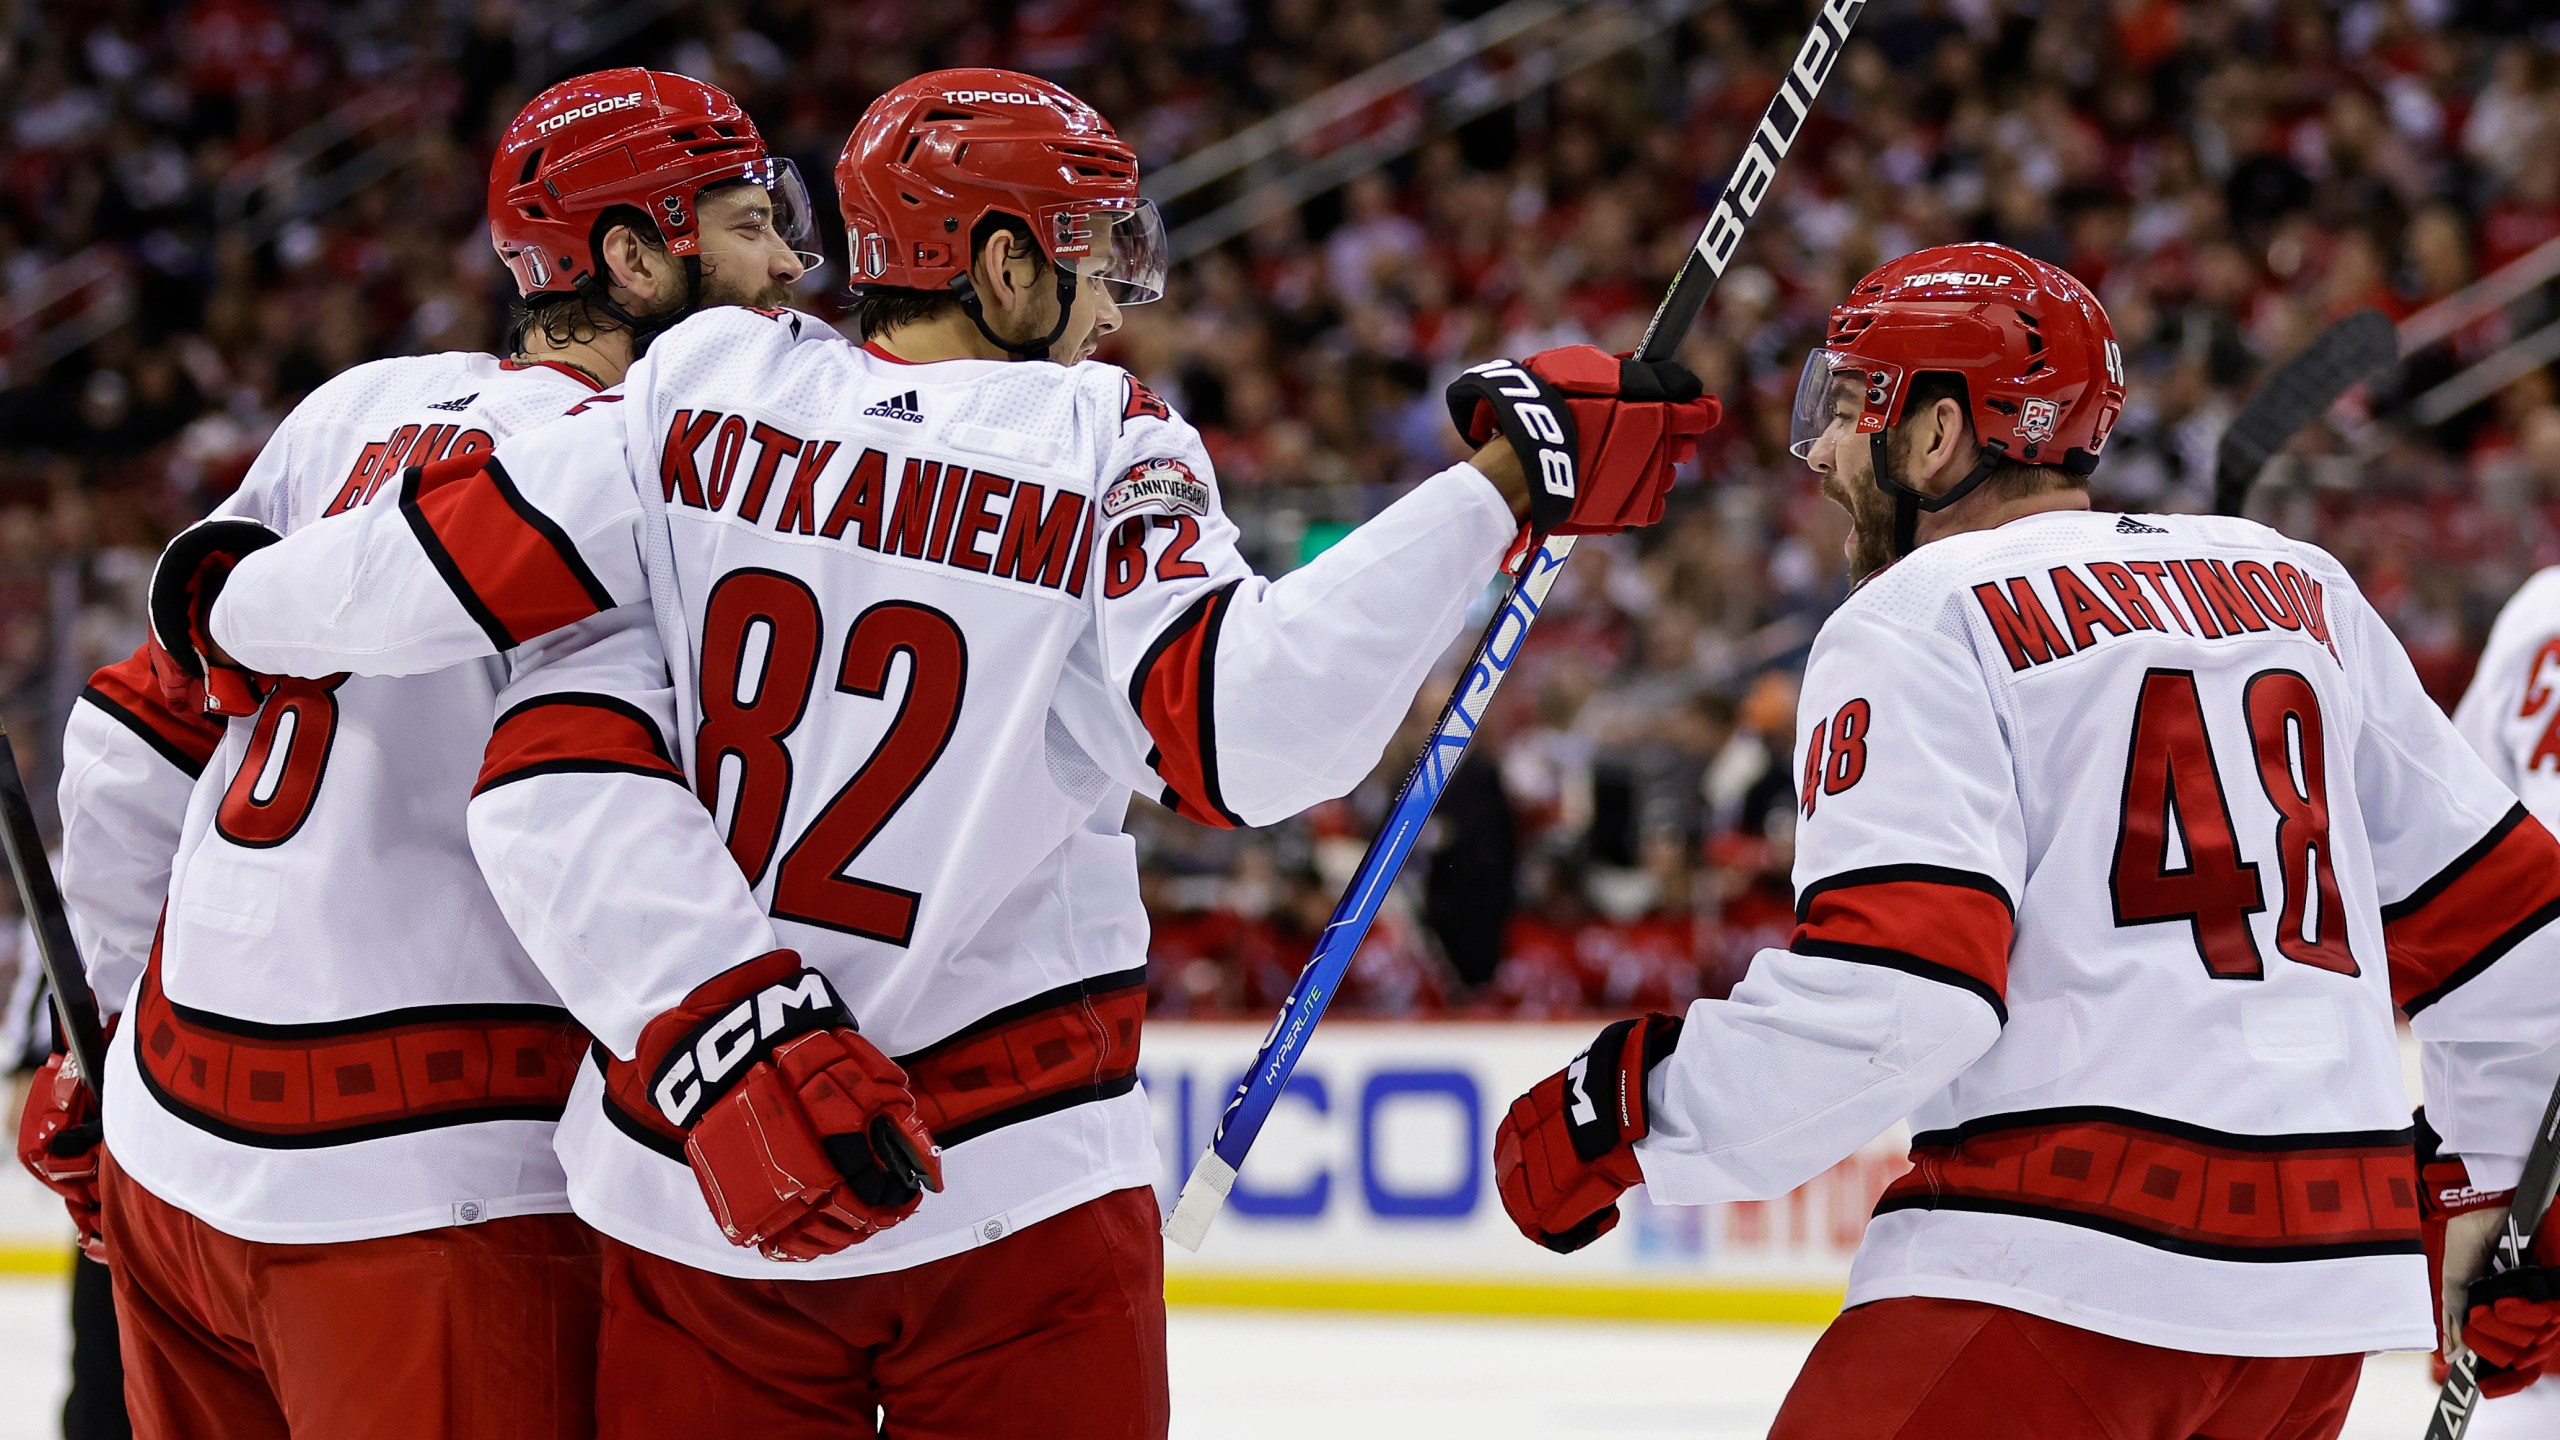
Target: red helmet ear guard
641	139
2043	377
935	156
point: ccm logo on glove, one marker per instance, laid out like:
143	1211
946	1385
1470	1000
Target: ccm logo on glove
802	1135
697	1073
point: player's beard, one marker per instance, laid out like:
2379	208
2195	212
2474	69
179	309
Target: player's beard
1870	518
718	289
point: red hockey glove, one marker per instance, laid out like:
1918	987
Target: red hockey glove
184	585
1565	1153
2511	1318
1599	435
185	582
59	1140
801	1133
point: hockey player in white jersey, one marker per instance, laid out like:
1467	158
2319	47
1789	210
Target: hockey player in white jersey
2509	718
2120	837
330	1194
937	604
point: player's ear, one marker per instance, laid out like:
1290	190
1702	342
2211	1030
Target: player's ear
1003	270
636	267
1946	440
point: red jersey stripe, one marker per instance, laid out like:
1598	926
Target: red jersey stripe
509	565
2173	1186
1947	925
1059	1048
1174	693
127	691
574	732
2476	909
303	1086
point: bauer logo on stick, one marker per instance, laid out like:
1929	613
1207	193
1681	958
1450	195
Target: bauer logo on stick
1779	126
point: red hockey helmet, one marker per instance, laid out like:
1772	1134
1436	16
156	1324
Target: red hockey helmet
938	154
2043	379
638	138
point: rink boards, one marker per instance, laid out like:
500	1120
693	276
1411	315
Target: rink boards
1372	1189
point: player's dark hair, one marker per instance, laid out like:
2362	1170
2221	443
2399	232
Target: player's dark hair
573	318
2008	480
878	309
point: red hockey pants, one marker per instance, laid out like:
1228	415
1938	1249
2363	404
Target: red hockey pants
1922	1369
477	1332
1055	1331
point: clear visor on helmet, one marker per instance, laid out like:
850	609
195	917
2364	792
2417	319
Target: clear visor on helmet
1837	389
1124	249
728	198
789	212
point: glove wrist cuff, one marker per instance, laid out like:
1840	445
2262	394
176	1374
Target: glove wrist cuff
1606	1109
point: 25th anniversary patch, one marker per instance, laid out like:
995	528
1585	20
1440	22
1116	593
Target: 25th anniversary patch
1168	483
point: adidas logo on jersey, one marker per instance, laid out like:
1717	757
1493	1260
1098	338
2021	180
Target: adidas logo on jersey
2127	525
898	407
462	404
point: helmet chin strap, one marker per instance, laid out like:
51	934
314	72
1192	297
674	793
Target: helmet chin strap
975	308
1908	504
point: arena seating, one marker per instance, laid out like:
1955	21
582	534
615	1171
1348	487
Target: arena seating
185	258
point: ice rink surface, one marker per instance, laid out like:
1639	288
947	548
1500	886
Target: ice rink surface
1250	1376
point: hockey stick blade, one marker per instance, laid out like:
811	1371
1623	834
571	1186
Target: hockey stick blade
41	898
2459	1400
2338	359
1204	1193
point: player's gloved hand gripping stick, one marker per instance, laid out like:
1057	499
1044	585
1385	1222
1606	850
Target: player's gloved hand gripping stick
1206	1190
2459	1400
59	1136
2509	1319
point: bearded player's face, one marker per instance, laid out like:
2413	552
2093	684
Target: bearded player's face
1844	460
745	258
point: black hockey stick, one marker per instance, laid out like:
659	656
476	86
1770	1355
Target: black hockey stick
2459	1400
2338	359
59	953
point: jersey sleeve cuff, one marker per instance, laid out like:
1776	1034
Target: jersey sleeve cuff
1473	501
2494	1172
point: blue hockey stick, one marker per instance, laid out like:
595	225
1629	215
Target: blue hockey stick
1205	1193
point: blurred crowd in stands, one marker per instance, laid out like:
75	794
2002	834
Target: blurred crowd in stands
185	255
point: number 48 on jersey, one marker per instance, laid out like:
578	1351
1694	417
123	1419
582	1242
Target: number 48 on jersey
2178	855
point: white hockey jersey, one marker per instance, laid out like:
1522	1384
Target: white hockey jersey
334	1034
2120	838
2508	714
2509	718
935	623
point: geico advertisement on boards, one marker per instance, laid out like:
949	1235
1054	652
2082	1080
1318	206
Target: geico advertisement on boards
1380	1158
